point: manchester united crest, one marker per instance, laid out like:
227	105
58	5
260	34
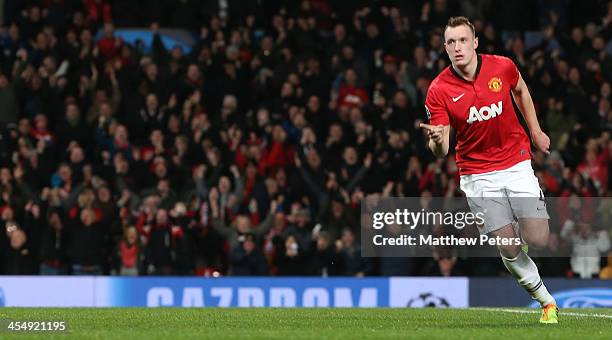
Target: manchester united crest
495	84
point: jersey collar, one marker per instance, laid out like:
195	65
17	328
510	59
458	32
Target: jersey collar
479	64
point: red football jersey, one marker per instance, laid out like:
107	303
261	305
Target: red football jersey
489	135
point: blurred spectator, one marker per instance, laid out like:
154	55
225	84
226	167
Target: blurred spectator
588	245
446	264
160	239
350	252
87	244
324	260
129	253
247	259
291	258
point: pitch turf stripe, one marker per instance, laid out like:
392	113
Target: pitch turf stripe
561	313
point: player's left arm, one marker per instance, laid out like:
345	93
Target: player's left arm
525	104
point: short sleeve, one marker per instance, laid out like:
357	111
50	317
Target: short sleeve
513	73
435	109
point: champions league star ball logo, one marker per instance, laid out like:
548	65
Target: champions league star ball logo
428	300
495	84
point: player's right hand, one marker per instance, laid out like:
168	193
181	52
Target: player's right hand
541	141
434	132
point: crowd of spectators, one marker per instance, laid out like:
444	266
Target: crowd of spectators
249	154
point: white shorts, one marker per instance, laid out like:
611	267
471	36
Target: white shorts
504	196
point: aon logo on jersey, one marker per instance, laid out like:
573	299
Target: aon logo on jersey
485	112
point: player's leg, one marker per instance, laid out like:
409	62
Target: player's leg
522	267
529	206
499	222
506	232
534	231
488	194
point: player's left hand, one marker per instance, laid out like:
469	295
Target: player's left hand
541	141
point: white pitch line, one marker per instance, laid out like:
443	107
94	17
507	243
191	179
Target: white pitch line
561	312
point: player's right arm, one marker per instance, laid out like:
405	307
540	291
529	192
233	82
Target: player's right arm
438	129
438	138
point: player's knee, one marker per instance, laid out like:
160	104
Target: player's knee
535	232
538	240
509	251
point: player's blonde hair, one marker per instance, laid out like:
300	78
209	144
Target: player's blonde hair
460	21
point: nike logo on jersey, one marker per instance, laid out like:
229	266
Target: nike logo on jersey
455	99
485	112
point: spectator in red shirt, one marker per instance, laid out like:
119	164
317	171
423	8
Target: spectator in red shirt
350	94
279	153
594	167
129	253
109	45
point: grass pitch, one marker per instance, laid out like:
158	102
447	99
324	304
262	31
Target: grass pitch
269	323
